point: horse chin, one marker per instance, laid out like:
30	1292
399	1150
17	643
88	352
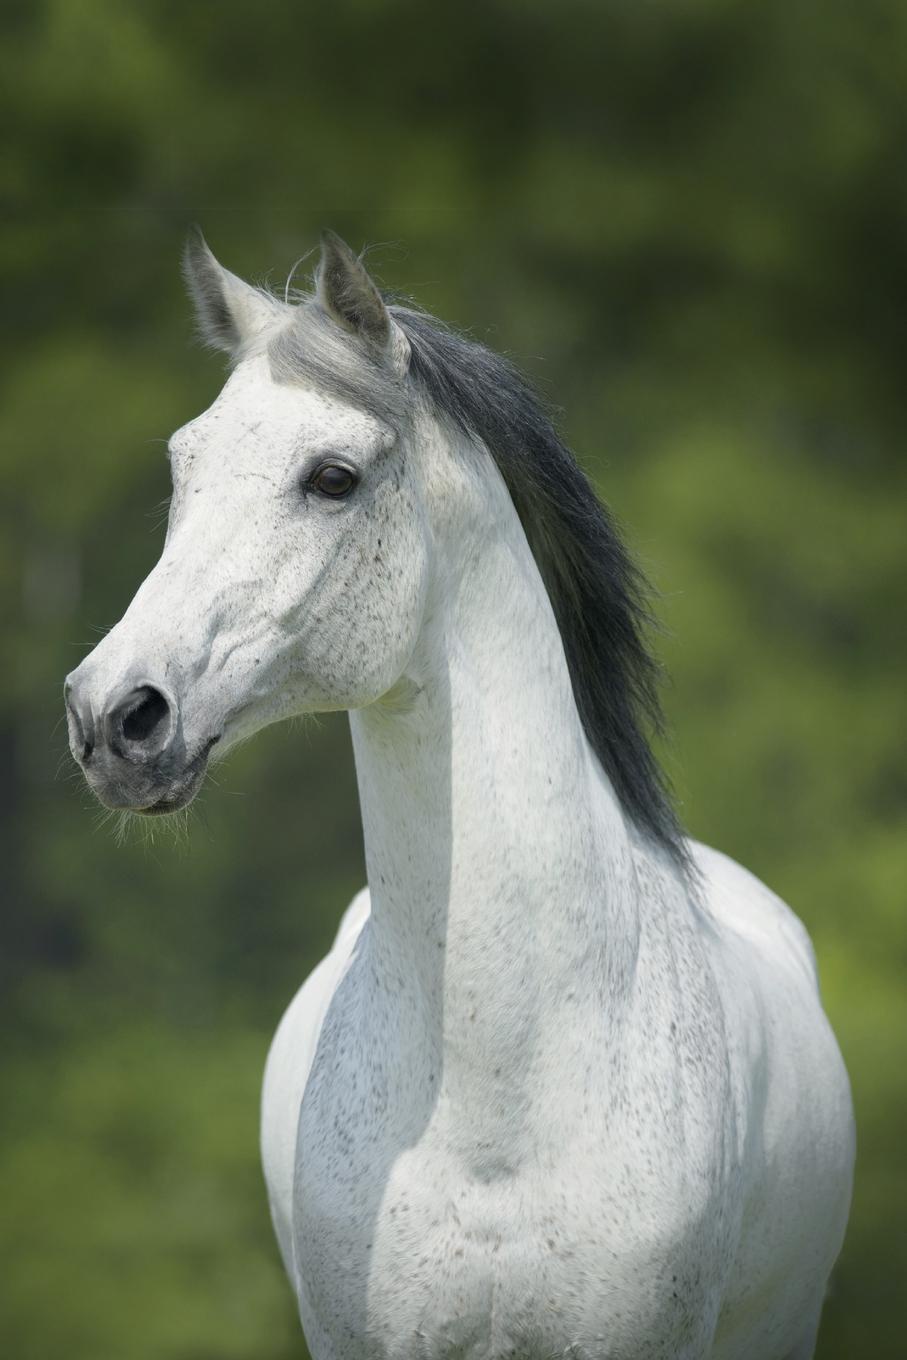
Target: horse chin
171	802
161	799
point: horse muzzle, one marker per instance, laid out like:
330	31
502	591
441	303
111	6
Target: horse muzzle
130	746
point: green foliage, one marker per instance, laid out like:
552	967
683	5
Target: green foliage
688	222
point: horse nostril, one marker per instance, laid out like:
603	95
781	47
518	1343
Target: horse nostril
81	728
142	719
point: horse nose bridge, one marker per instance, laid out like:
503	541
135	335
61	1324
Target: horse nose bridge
142	648
161	622
176	622
206	582
194	584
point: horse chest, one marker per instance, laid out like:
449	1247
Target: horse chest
405	1247
441	1271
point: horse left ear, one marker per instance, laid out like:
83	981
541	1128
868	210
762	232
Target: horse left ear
229	311
345	290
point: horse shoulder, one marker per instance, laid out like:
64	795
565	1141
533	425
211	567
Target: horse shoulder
744	906
766	968
795	1118
287	1069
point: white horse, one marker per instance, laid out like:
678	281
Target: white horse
564	1085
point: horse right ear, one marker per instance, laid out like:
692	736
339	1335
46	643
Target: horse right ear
229	313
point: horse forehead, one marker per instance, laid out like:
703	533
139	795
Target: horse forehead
252	410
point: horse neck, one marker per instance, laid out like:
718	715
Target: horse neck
499	862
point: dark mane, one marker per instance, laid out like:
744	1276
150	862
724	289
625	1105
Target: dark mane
598	595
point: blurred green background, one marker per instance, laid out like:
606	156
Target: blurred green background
689	222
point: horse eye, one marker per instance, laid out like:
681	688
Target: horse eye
333	480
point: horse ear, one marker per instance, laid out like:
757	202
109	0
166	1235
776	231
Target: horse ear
228	311
345	290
